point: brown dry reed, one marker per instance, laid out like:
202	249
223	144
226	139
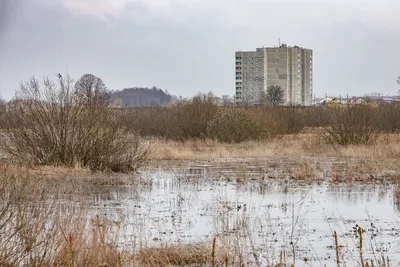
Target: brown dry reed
36	230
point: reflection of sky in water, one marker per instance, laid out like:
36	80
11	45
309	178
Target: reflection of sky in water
189	207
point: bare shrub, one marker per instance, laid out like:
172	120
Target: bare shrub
235	125
190	118
291	120
53	127
389	117
352	126
270	125
316	117
147	121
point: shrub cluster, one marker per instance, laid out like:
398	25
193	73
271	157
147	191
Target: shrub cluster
55	126
353	125
234	125
51	126
199	118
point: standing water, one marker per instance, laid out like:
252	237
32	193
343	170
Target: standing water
261	216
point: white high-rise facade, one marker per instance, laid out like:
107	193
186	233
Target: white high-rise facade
288	67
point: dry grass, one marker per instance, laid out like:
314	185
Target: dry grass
35	230
175	255
387	146
302	156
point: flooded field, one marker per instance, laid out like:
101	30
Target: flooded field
257	219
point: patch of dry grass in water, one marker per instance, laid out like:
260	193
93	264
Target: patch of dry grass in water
306	151
175	255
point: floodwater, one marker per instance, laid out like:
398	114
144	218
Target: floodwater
262	216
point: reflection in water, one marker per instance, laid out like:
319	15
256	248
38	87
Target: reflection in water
356	194
191	205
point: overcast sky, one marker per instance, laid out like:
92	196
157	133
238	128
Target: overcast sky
187	46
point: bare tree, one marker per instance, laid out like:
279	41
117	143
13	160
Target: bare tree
247	99
274	95
90	91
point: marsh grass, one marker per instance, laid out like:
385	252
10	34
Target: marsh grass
176	255
304	156
40	225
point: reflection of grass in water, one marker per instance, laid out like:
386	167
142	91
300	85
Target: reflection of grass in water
38	232
396	197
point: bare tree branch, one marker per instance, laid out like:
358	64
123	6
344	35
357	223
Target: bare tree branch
274	95
90	91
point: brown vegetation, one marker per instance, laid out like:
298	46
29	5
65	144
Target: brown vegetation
353	126
53	127
175	255
200	118
235	126
36	231
304	156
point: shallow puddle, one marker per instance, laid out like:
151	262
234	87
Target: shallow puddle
263	218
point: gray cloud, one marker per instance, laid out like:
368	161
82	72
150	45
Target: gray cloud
188	46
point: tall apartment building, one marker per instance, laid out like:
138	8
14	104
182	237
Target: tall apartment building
288	67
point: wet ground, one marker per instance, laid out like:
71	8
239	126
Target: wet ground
260	217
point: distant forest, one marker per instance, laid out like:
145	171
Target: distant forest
137	97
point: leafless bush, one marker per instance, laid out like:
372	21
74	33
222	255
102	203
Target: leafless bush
53	127
291	120
190	118
235	125
147	121
316	117
389	117
352	126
